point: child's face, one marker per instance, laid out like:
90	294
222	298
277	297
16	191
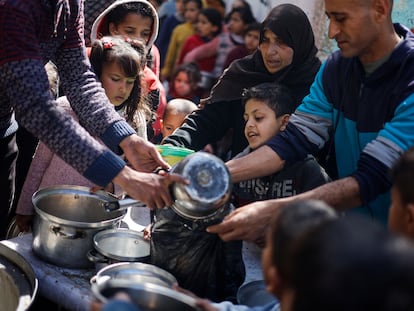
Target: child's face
191	12
276	54
117	86
179	6
236	25
182	84
251	40
134	26
170	122
399	218
204	27
261	123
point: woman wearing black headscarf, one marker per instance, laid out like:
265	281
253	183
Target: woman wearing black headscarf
286	55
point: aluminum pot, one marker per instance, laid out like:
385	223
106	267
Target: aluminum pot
209	189
146	296
66	220
148	286
118	245
18	281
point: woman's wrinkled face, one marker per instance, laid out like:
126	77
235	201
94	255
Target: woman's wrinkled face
276	53
117	86
134	26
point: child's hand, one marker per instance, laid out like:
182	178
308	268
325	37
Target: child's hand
147	232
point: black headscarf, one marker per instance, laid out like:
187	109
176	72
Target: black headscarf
292	25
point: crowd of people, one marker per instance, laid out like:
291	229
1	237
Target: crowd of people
321	154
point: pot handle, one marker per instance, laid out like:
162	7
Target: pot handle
66	235
111	206
95	257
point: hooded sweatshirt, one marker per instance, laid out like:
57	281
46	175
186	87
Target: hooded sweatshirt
155	89
224	109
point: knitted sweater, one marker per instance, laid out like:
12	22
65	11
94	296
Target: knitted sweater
37	33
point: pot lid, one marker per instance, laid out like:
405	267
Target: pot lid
16	274
147	297
121	244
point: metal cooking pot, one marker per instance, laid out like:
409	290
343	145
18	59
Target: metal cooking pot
209	188
149	287
119	245
134	273
67	218
18	281
146	296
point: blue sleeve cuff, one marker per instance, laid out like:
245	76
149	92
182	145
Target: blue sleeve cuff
104	169
291	145
115	134
373	178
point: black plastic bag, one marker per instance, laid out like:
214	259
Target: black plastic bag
201	262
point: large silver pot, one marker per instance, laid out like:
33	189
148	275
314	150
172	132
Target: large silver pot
119	245
149	287
208	191
18	281
67	218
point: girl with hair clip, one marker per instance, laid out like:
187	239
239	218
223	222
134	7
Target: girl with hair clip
137	20
119	67
118	64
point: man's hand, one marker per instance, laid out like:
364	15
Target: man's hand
142	155
248	223
149	188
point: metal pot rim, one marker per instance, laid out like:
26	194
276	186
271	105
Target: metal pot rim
123	270
77	190
13	257
121	235
159	291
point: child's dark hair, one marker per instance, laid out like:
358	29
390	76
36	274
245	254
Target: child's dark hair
129	56
118	14
402	176
214	17
245	14
277	96
198	3
192	71
255	26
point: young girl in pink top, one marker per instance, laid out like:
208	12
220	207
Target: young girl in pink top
119	67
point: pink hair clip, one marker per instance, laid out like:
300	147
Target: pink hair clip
107	45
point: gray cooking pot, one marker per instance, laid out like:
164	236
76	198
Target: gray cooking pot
146	296
118	245
18	280
148	286
67	218
209	188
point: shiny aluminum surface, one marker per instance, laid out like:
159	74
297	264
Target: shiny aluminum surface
209	186
122	244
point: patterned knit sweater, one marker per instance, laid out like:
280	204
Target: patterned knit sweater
32	33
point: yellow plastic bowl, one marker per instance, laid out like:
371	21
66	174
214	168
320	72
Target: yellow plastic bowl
172	154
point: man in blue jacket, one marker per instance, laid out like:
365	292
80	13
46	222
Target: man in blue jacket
363	99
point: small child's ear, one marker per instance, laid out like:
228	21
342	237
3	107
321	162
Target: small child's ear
409	221
285	121
161	123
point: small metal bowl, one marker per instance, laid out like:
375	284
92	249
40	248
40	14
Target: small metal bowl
209	188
